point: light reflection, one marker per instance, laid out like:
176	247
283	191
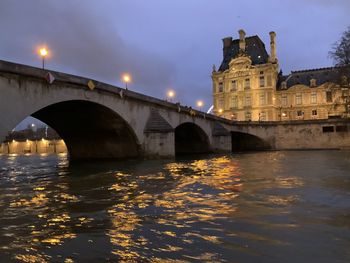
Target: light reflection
184	204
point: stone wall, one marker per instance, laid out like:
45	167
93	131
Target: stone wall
33	147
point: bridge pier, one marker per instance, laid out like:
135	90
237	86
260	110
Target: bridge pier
222	139
159	144
222	144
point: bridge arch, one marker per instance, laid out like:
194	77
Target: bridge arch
248	142
90	130
191	139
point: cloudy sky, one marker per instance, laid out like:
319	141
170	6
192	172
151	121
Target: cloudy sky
165	43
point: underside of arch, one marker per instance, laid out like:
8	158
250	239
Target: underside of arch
190	139
90	130
248	142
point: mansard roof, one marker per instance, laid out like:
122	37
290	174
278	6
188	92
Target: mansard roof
255	49
321	75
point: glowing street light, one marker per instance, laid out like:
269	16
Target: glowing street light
170	94
200	104
43	53
220	111
126	79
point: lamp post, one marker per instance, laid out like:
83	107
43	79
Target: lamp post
170	95
200	104
126	79
220	112
43	53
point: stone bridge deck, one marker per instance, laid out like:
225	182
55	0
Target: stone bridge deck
111	122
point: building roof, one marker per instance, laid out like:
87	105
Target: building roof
255	49
321	75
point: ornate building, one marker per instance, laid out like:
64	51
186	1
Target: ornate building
248	86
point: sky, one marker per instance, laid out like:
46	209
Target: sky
165	44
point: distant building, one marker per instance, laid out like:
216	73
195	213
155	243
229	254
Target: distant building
248	86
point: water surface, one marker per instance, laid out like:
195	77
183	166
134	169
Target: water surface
256	207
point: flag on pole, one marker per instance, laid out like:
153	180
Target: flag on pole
49	78
121	94
91	85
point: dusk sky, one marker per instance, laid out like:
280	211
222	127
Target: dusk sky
165	44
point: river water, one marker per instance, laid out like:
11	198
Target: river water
254	207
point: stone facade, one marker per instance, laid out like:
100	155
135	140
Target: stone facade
248	86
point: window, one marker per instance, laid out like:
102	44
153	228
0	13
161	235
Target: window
341	128
248	116
269	80
329	96
312	82
221	87
284	85
234	102
221	103
313	98
247	84
314	112
248	101
298	99
262	99
284	100
328	129
262	81
300	113
233	85
262	116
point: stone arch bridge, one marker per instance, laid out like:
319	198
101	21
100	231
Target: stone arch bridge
99	121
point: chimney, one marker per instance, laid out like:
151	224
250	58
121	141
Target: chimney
273	57
227	41
241	40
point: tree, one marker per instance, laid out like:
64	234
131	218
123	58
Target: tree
340	52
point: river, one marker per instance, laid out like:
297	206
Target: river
289	206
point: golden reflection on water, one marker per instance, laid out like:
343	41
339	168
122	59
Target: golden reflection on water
201	191
151	216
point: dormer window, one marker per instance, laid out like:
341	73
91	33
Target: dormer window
312	82
284	85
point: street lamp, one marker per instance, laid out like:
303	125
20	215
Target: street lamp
200	104
170	94
126	79
220	111
43	53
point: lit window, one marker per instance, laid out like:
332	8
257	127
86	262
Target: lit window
247	84
262	99
284	85
248	101
313	98
233	85
298	99
262	116
312	82
221	86
262	81
234	102
248	116
284	100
